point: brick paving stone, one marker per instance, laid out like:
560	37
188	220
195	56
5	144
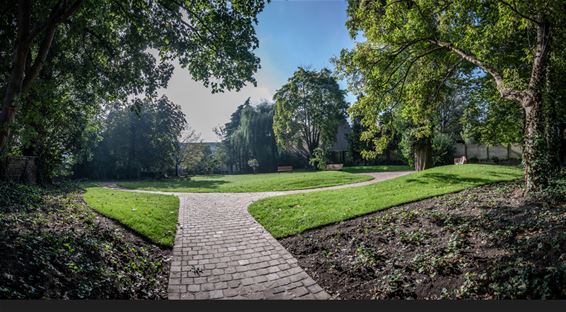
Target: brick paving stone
220	251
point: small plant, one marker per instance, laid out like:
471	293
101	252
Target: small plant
319	159
254	164
366	256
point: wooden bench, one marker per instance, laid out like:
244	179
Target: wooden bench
460	160
334	166
284	168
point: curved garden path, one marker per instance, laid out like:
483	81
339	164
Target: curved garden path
221	252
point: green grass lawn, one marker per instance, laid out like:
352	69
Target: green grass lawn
380	168
292	214
151	215
263	182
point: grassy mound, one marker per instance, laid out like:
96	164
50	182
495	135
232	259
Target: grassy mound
152	215
292	214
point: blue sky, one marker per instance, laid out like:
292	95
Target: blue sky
291	34
301	33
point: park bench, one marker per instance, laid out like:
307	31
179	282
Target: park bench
334	166
284	168
460	160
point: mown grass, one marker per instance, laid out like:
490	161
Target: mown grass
264	182
152	215
292	214
379	168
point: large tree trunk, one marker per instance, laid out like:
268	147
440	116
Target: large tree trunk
16	78
539	154
540	149
423	156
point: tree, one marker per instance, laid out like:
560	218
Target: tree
138	140
388	112
214	40
254	164
308	110
184	149
519	45
249	135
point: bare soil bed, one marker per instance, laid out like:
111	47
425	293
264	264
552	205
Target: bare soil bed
481	243
54	246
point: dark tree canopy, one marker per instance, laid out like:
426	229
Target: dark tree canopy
249	135
104	51
137	142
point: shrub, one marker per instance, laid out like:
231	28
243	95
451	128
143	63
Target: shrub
407	148
443	149
319	159
16	197
254	164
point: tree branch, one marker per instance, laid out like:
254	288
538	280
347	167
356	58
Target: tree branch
58	15
514	9
505	91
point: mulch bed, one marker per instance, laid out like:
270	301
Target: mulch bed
54	246
481	243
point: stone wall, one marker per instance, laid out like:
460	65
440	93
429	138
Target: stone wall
20	169
483	152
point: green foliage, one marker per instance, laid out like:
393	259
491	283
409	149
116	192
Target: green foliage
308	110
152	215
443	149
292	214
319	158
131	49
253	163
16	197
142	139
366	256
407	145
249	135
265	182
408	68
380	168
554	192
489	120
55	247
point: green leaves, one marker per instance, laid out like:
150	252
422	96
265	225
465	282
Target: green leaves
308	110
136	141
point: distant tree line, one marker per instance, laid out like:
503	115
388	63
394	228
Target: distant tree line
136	141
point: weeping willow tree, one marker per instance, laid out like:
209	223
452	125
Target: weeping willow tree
249	135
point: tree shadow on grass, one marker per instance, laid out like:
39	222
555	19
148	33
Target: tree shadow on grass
451	178
205	184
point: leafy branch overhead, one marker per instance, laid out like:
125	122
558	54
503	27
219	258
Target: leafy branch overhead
111	49
416	50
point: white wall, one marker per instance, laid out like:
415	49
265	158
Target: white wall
479	151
